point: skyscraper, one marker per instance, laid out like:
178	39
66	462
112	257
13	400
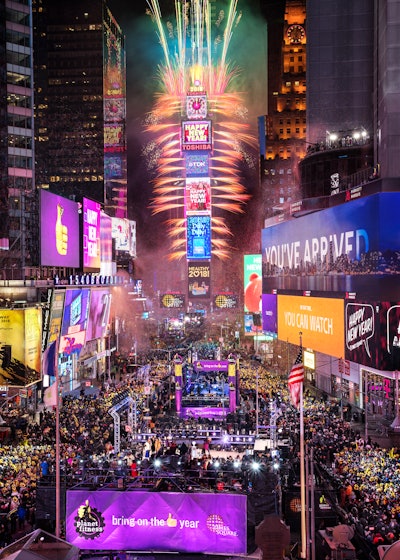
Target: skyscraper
18	248
80	103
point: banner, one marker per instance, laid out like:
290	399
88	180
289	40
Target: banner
206	523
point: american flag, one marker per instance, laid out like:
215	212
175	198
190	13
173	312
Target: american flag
296	378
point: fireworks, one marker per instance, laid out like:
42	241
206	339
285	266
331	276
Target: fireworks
196	56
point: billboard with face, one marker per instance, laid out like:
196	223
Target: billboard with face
59	231
158	521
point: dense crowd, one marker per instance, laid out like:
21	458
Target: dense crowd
364	478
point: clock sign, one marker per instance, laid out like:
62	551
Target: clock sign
196	106
296	33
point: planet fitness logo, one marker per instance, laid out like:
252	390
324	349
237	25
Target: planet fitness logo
89	522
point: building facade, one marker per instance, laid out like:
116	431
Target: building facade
80	117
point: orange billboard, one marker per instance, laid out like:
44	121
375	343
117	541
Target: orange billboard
320	320
20	346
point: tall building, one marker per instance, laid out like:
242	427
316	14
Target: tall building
18	207
80	102
283	129
332	272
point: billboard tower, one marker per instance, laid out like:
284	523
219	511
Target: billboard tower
199	137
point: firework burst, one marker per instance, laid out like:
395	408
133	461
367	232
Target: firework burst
195	53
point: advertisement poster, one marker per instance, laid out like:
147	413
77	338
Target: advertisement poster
157	521
172	300
197	165
59	231
20	346
319	320
336	249
198	195
199	280
269	313
99	314
73	330
198	237
91	235
196	135
56	315
226	300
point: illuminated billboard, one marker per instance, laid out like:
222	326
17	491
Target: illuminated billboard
121	232
99	314
196	135
157	521
74	324
198	237
225	300
198	195
20	346
252	283
91	235
336	249
320	320
199	279
59	231
56	315
106	252
172	300
113	136
269	313
196	106
197	165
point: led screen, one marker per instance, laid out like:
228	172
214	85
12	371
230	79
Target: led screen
157	521
319	320
59	231
121	233
73	330
198	195
91	235
199	280
20	346
252	283
196	135
198	237
197	165
172	301
269	313
226	301
99	314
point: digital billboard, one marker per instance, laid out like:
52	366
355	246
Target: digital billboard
336	249
56	315
196	135
226	301
198	195
198	237
269	313
74	324
59	231
99	314
172	300
91	235
319	320
199	279
157	521
121	234
252	277
196	106
197	165
20	346
106	248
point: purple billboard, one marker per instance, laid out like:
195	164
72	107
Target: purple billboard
269	313
59	231
73	330
157	521
99	314
91	235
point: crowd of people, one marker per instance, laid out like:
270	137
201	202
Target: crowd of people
363	477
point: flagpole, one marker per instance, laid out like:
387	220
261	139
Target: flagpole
58	489
303	553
